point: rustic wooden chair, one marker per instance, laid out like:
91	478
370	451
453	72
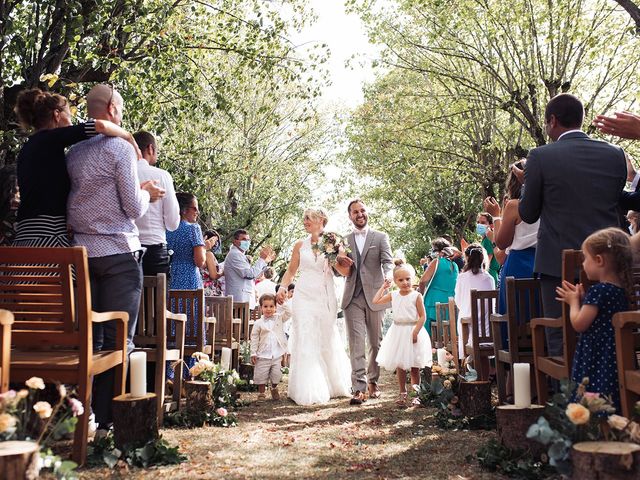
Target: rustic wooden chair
52	334
627	331
477	339
558	367
626	325
228	330
524	302
6	320
154	320
199	328
437	326
450	329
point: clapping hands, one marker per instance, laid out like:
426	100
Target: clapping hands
622	124
569	293
267	254
491	206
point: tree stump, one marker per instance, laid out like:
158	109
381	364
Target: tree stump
474	398
605	461
199	395
135	420
19	460
245	371
513	423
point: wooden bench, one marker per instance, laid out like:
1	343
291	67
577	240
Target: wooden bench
627	325
523	302
437	326
477	339
6	320
228	329
200	329
52	334
154	320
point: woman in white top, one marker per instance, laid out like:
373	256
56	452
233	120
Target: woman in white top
474	276
518	238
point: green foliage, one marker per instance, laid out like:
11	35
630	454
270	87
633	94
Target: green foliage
461	94
515	464
62	469
154	452
199	418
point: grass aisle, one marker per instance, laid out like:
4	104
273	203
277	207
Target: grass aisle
276	440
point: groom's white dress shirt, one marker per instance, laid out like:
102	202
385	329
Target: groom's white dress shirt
360	236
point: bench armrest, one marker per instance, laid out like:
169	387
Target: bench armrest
546	322
176	317
465	320
210	320
99	317
236	321
6	317
626	320
499	318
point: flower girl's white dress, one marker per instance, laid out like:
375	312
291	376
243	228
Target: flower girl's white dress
397	349
320	368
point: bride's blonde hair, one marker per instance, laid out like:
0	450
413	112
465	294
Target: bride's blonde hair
315	214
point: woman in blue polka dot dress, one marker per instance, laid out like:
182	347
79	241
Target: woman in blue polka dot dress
608	261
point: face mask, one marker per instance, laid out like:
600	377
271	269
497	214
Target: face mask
481	229
245	244
631	229
218	248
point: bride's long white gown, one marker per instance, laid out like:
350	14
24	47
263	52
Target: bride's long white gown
319	368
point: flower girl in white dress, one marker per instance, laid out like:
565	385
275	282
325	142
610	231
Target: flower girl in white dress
407	345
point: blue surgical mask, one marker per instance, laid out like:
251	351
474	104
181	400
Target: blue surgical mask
481	229
244	245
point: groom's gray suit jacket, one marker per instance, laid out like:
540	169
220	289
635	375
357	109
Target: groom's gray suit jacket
370	267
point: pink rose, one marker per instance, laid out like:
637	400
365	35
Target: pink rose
222	412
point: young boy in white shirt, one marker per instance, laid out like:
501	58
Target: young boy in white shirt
268	345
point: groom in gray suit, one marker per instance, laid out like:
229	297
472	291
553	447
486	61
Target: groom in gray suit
371	262
239	274
573	186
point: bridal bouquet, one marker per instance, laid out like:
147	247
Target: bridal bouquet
329	244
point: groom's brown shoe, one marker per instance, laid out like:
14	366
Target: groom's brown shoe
358	398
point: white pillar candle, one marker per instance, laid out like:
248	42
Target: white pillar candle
225	358
522	385
138	371
442	356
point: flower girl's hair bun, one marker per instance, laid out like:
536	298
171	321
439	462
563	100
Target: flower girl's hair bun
400	264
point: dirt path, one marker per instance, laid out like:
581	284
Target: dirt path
280	440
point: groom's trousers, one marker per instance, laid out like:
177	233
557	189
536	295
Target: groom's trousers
363	323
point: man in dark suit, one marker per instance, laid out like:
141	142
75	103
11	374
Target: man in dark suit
573	186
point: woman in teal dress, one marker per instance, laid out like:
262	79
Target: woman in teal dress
439	279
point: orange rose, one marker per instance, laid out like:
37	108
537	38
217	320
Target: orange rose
578	414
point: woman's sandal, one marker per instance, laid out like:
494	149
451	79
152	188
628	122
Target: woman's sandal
402	401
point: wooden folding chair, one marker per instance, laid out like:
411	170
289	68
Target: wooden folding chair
52	332
242	313
154	321
437	327
524	302
6	320
228	330
477	339
198	327
558	367
450	329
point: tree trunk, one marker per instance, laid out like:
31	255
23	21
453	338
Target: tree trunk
605	461
19	460
135	420
475	398
199	395
513	423
633	10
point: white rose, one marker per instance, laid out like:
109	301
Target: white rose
617	422
35	383
6	422
329	249
43	409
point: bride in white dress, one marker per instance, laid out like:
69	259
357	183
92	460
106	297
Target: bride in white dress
319	367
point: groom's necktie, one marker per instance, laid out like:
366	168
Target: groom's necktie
358	288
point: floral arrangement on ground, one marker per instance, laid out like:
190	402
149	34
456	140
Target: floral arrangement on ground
224	397
568	418
154	452
24	417
439	387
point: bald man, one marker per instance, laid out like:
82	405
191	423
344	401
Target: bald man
105	200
